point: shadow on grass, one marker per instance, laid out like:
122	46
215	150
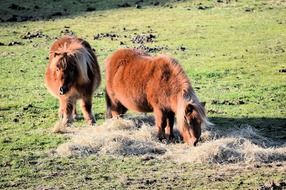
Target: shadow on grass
273	128
19	11
269	127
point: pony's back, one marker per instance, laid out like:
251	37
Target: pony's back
122	57
136	76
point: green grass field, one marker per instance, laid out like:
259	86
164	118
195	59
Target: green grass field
233	52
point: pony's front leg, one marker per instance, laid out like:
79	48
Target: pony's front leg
60	112
86	105
74	112
169	128
160	121
66	111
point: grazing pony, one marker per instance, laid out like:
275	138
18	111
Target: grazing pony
72	73
143	83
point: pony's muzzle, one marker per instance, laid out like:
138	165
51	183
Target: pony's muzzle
63	90
193	141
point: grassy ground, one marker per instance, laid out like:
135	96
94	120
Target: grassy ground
232	51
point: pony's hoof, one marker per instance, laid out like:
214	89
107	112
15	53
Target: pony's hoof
59	127
75	117
171	139
91	122
165	141
56	129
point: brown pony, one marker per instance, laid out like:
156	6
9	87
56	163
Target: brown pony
142	83
72	73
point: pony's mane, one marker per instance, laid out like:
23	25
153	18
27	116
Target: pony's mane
182	80
186	96
180	75
74	48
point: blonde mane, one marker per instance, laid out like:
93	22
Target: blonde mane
187	96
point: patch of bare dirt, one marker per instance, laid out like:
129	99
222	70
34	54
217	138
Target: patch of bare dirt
143	38
273	185
110	35
31	35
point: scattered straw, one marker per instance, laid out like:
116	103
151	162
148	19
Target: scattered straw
138	137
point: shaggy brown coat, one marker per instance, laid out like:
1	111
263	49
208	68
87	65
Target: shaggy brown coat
72	73
143	83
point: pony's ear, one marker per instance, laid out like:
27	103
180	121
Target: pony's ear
203	104
185	93
189	109
56	54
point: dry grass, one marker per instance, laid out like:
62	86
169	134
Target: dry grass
137	136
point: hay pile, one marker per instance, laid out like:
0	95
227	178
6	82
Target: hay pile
137	136
115	137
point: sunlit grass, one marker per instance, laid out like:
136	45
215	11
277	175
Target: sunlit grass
231	56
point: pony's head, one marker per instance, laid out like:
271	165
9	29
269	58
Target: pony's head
192	123
70	63
190	118
66	71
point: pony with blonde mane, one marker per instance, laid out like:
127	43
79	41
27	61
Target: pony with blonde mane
72	73
142	83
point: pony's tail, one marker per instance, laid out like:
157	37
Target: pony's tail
108	114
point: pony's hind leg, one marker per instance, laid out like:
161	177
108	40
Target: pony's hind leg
86	105
108	102
118	109
113	108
